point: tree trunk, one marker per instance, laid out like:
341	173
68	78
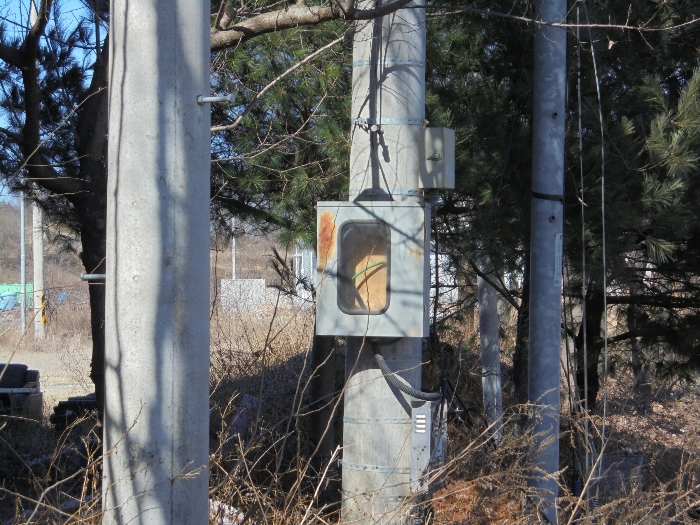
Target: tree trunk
323	399
490	352
522	339
639	364
594	315
93	255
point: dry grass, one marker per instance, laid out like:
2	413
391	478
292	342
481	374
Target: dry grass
264	475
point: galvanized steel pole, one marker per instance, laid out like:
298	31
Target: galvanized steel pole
38	267
388	110
157	304
546	249
490	351
22	265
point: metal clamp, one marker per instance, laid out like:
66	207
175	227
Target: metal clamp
388	121
389	62
377	191
374	468
208	100
376	420
376	498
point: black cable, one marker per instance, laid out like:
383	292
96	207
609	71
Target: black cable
394	381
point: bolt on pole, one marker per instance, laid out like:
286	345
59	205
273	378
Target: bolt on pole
156	418
549	88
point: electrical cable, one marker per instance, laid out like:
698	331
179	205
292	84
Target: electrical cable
395	382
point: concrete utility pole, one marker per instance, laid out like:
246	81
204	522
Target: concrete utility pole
389	107
157	305
234	228
490	351
22	265
38	265
546	248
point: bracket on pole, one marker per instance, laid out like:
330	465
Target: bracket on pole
201	99
93	276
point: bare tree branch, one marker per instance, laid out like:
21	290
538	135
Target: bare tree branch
500	289
488	12
258	213
223	37
294	16
30	46
662	301
47	177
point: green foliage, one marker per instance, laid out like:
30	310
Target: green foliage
292	148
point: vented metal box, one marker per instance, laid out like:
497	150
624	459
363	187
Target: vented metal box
373	275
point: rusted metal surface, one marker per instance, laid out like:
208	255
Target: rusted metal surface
326	239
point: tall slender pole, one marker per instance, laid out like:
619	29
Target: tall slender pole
549	107
22	265
156	423
490	351
38	266
388	110
234	227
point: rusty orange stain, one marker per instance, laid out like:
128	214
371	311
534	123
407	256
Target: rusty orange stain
416	252
326	239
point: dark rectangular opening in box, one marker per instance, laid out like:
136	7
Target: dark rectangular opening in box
364	262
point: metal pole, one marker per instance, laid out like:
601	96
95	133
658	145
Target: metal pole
234	224
157	277
38	265
490	352
388	110
22	265
546	250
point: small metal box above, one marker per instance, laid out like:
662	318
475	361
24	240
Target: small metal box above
373	273
437	168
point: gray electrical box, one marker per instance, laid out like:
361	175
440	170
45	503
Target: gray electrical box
437	169
373	274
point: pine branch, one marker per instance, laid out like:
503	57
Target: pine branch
272	84
500	289
17	137
10	55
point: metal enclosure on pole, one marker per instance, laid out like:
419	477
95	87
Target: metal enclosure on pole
157	278
22	264
549	88
388	109
38	267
